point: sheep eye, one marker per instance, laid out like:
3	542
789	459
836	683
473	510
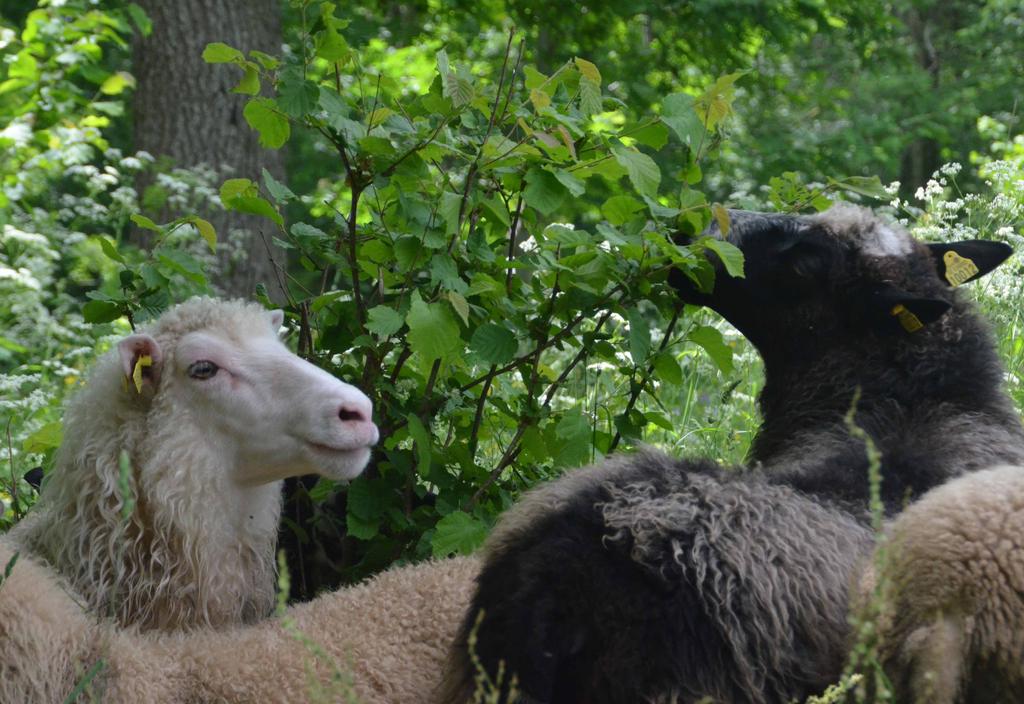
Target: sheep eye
203	369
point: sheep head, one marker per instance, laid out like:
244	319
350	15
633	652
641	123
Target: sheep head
272	413
841	273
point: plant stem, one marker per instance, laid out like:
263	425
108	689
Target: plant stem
635	392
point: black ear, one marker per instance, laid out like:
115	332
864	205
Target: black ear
808	258
893	309
960	262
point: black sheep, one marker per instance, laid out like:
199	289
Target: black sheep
650	579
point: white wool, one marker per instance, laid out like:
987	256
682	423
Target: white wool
379	642
954	604
872	235
197	547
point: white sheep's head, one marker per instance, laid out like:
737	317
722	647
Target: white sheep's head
221	367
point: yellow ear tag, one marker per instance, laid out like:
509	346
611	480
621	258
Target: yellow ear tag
143	361
908	320
958	269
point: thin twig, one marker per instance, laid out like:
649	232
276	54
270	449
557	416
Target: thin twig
373	107
560	335
511	80
512	242
479	415
277	270
390	169
635	392
15	503
513	448
501	83
305	346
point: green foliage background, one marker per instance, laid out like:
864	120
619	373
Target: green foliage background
480	216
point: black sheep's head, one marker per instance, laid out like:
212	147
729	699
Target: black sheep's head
839	274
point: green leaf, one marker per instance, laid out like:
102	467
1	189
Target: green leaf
297	97
206	231
361	528
378	116
680	115
421	438
144	222
573	425
667	369
460	304
711	340
575	186
110	249
331	46
493	207
9	567
433	333
639	336
25	66
571	445
619	209
540	99
309	233
445	271
643	172
731	256
250	83
494	343
255	206
870	186
653	134
141	19
721	216
221	53
659	420
273	127
266	60
588	70
534	447
114	108
384	321
47	437
101	311
408	251
715	104
116	83
277	190
533	78
457	533
363	508
12	346
235	187
332	103
590	97
456	88
543	190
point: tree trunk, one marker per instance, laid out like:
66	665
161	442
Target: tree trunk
184	109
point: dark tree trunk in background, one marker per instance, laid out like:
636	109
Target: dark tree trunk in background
923	156
184	109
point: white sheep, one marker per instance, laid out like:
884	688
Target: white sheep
952	623
379	642
162	509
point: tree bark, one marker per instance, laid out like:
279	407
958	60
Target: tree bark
184	109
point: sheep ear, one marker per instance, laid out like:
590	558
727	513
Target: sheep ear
276	319
894	309
960	262
141	360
